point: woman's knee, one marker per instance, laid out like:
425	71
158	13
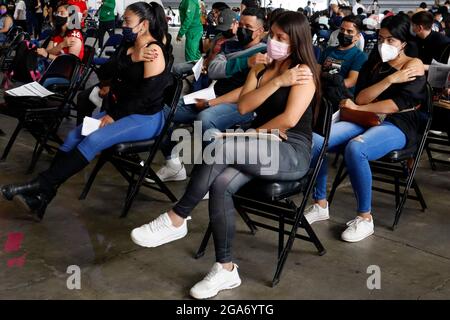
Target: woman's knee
355	149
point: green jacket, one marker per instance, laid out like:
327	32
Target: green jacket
106	11
190	17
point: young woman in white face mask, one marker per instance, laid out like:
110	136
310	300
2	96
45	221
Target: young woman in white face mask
388	84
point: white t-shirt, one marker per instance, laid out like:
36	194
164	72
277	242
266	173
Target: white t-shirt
355	8
340	2
22	15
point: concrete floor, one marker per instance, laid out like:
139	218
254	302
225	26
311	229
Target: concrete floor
414	260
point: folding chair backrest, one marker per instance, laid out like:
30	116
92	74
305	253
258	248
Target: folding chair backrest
426	111
172	95
65	66
113	41
323	128
91	33
89	53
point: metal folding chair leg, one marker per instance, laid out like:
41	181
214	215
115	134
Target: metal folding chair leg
340	176
12	140
100	163
201	250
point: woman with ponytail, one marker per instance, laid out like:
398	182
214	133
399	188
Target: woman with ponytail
133	108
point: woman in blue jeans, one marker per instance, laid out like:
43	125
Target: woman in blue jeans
392	84
134	109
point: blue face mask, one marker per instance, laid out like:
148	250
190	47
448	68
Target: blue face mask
128	34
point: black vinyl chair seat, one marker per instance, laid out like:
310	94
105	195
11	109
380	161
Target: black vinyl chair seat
401	155
133	146
273	190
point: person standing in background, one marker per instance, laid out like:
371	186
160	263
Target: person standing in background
30	15
39	18
309	10
357	6
191	27
20	15
106	20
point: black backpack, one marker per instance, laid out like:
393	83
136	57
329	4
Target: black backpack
24	67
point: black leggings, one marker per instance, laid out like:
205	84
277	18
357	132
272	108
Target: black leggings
224	180
103	27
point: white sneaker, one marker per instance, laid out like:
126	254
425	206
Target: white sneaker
170	172
158	232
206	197
358	229
216	280
316	213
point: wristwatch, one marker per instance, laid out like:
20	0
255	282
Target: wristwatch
207	104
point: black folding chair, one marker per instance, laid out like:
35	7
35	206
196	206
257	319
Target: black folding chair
272	201
91	33
438	140
398	167
42	116
8	52
113	41
125	157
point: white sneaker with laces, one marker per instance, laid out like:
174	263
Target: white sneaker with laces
216	280
158	232
316	213
173	170
358	229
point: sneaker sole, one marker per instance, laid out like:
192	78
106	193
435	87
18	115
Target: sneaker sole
166	180
317	220
358	239
157	244
212	295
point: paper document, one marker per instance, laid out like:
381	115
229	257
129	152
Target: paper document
207	94
197	68
438	74
95	98
33	89
259	135
336	117
89	125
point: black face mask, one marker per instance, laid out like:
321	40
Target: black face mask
60	21
344	39
228	34
244	36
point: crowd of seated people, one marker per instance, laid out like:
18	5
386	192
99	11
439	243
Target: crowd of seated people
267	75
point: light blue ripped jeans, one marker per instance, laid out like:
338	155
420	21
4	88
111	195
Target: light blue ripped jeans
361	146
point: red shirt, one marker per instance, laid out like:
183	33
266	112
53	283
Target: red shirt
70	33
81	4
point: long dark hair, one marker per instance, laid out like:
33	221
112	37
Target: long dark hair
296	25
156	18
398	26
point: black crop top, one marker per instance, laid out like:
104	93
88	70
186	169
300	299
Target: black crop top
130	92
406	96
275	105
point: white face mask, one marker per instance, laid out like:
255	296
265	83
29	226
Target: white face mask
388	52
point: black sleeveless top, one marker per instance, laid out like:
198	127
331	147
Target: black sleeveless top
130	92
275	105
407	96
